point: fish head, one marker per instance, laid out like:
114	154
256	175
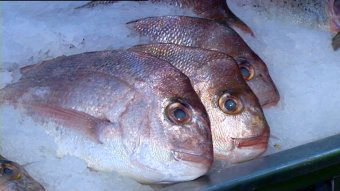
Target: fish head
14	177
178	146
256	74
9	170
252	67
234	111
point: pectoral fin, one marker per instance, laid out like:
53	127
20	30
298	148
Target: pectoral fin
70	118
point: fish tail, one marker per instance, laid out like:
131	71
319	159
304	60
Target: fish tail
235	22
333	14
336	41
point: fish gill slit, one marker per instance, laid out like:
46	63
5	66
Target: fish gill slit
120	117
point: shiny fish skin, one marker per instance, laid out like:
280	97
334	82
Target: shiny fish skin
114	108
203	33
212	74
217	10
323	14
14	177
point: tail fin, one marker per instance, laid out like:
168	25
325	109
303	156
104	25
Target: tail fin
235	22
336	41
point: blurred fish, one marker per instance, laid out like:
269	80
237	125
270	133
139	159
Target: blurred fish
239	129
217	10
324	14
203	33
14	177
121	111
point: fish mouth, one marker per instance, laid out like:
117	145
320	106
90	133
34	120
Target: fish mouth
192	157
246	149
269	97
260	141
270	103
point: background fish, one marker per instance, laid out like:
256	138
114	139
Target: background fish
211	9
14	177
239	129
324	14
122	111
203	33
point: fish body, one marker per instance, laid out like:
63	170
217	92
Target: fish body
120	111
217	10
324	14
13	177
217	80
206	34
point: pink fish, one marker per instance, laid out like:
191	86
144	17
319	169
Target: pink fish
120	111
239	128
217	10
206	34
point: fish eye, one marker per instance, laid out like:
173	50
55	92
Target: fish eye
178	113
7	171
230	104
246	69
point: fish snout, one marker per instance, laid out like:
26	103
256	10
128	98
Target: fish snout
193	144
194	150
259	141
262	84
250	148
246	148
265	90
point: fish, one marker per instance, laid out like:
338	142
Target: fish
217	10
206	34
319	14
119	111
13	177
239	129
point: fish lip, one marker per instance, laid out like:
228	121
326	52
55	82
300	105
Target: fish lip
270	104
274	100
192	157
260	141
269	98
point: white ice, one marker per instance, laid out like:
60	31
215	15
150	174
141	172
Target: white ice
306	71
301	62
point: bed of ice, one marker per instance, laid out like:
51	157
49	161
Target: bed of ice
306	71
301	62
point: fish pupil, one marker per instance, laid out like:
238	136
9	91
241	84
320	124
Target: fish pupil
179	114
7	171
245	72
230	104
